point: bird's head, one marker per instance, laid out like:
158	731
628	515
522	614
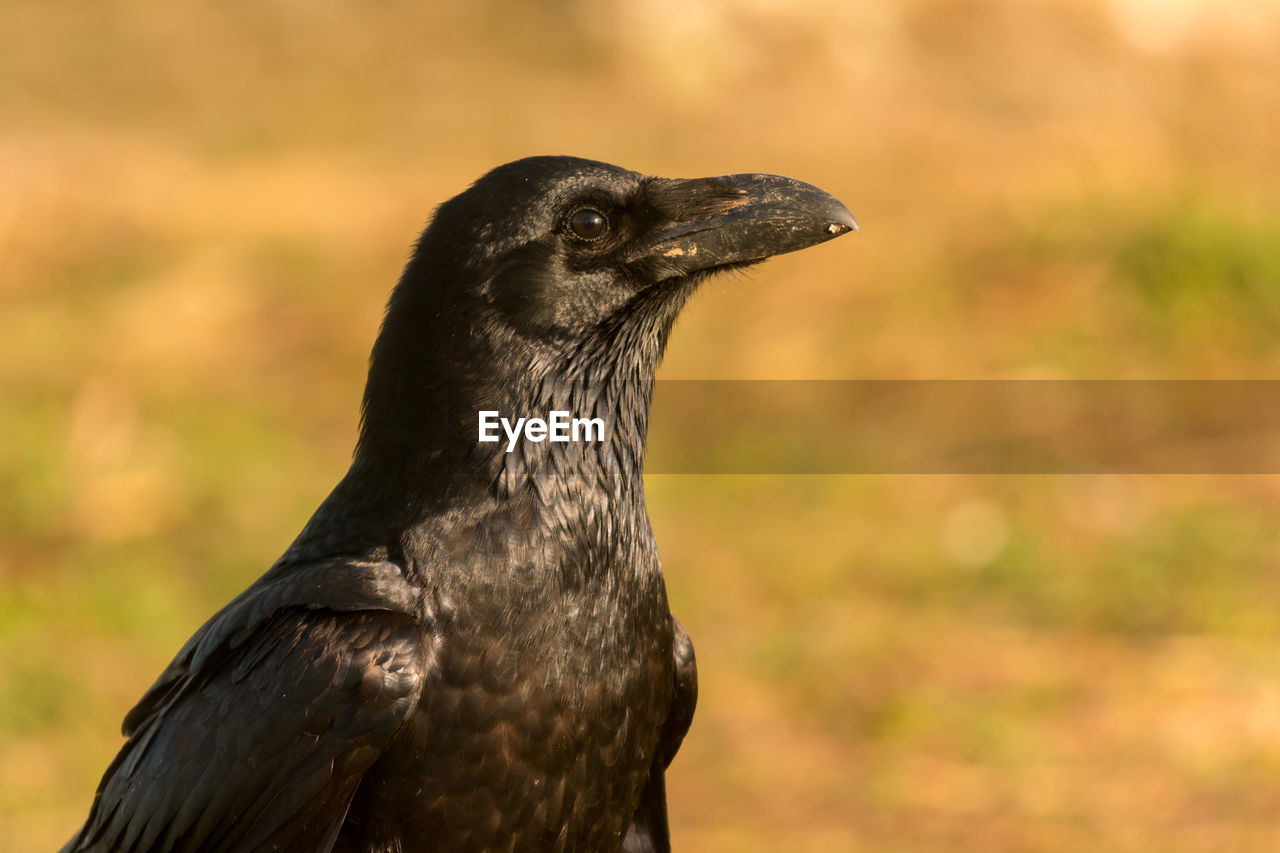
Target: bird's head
557	264
552	249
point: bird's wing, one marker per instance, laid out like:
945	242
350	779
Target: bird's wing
648	832
260	731
685	698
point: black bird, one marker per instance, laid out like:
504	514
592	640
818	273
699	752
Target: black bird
469	649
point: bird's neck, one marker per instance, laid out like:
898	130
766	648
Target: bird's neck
419	460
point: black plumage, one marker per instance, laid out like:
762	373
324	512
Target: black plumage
468	649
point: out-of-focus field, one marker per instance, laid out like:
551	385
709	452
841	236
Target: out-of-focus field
203	206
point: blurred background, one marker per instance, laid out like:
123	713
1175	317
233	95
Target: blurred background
204	205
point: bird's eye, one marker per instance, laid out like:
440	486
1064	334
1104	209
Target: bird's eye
588	224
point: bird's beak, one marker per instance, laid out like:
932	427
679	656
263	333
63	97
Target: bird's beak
736	219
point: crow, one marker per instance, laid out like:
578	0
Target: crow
468	647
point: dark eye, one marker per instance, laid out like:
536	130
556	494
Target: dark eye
589	224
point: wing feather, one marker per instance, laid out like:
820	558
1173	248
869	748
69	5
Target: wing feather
263	744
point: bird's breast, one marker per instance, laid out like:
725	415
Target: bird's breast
537	727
